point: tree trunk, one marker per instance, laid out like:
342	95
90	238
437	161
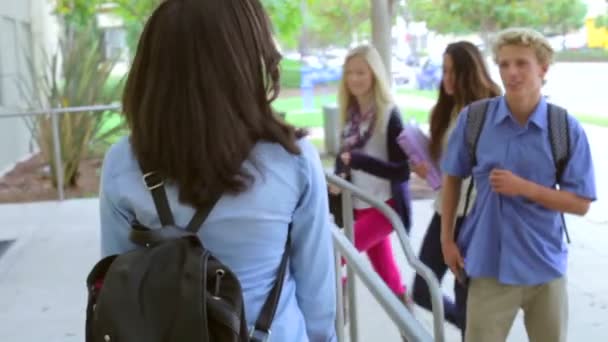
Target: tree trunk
304	38
488	30
485	38
381	30
412	40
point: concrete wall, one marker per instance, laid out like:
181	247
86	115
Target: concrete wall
26	29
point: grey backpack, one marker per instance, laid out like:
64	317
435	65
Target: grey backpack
559	138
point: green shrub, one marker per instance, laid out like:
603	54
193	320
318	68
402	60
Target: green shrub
290	73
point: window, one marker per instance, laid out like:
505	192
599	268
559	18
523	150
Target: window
8	60
15	54
115	42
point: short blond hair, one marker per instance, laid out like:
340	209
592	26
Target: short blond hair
525	37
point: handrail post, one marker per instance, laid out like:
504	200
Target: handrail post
349	222
405	321
349	190
57	153
434	287
339	298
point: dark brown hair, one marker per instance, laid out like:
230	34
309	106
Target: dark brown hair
472	83
198	95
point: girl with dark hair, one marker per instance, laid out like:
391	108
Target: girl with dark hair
465	80
198	103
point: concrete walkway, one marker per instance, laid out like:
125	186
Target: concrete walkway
42	276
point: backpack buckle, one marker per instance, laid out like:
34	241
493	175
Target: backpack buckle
258	335
152	180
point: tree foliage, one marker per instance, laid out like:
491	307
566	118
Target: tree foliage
320	22
287	19
336	21
448	16
563	16
299	23
78	13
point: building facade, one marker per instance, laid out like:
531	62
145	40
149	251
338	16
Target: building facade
27	33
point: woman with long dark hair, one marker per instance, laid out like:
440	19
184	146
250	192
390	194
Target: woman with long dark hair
198	103
465	80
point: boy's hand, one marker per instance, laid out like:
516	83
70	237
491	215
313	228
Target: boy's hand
453	259
507	183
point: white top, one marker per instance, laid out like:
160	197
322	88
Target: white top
465	182
377	187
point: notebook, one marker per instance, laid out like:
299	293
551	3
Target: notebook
415	144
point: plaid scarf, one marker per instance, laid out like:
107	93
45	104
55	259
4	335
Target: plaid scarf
355	136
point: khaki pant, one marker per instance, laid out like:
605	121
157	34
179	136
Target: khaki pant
492	307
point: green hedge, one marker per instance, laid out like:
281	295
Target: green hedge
110	91
290	73
582	55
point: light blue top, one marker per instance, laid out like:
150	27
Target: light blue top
514	239
247	232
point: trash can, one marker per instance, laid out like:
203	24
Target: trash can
331	129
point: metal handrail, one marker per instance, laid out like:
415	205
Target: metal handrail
65	110
349	190
53	113
405	321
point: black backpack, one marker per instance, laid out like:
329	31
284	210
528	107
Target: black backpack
559	138
151	293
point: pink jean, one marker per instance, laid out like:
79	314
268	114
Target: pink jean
372	235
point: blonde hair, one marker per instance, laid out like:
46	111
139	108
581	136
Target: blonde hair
380	85
525	37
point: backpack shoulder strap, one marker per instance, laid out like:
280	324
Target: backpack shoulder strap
155	183
559	137
201	215
476	117
261	330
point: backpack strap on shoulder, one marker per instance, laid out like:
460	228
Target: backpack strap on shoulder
156	184
559	139
261	330
557	119
201	215
476	118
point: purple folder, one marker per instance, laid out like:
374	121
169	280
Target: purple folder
416	145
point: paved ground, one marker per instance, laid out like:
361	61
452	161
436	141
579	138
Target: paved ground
42	275
42	291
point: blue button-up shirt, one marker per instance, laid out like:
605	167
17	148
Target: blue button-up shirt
513	239
247	232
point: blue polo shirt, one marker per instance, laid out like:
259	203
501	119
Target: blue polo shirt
513	239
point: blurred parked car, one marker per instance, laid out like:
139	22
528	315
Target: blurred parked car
429	75
401	72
